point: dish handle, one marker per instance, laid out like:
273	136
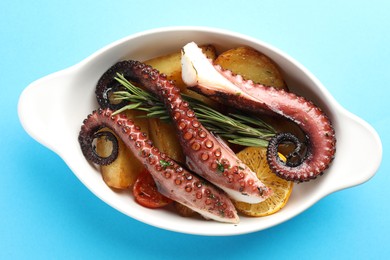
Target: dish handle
359	152
39	108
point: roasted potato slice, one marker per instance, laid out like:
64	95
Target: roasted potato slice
122	173
253	65
170	64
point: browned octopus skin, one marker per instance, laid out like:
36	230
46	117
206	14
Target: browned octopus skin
320	135
172	180
205	155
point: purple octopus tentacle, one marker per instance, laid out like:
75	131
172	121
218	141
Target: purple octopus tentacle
232	90
173	181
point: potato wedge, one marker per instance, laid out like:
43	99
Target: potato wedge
122	173
170	64
164	137
210	51
253	65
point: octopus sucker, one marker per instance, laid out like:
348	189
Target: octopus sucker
172	180
200	74
189	131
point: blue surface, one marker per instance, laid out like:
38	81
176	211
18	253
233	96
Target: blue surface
45	212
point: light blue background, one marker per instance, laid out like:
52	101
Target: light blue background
46	213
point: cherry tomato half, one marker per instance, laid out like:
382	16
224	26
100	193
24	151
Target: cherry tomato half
146	193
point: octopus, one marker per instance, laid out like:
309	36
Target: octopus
212	174
173	180
223	86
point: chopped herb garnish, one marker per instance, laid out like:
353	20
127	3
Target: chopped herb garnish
164	164
220	167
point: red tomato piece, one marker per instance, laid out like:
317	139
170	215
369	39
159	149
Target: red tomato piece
146	193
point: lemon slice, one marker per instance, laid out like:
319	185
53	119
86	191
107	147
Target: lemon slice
256	159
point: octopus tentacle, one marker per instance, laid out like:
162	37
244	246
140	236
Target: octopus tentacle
106	86
293	159
205	154
221	85
173	181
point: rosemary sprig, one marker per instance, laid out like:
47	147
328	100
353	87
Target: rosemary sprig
235	128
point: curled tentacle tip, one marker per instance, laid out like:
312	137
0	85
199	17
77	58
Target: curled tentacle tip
107	85
288	169
88	147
